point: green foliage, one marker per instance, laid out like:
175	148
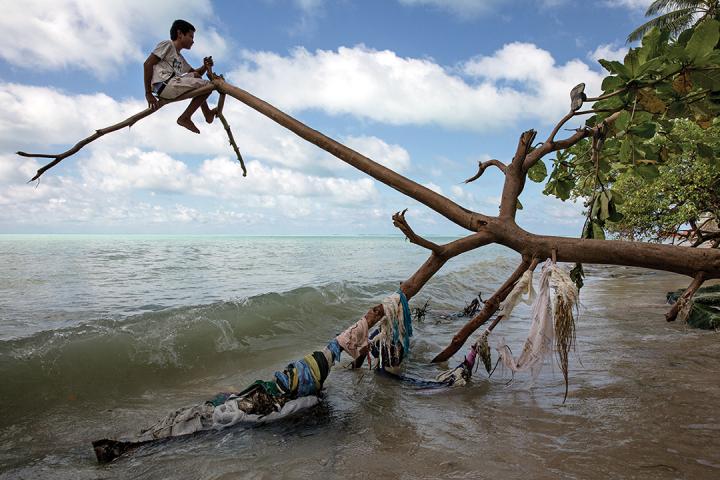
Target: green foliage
653	165
538	172
685	189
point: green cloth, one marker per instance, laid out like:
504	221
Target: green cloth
270	388
705	309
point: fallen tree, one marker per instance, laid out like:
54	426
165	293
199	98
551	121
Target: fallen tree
662	80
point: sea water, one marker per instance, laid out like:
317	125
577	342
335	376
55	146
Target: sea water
101	336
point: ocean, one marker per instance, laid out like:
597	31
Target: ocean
102	335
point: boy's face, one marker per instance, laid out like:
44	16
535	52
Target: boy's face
186	39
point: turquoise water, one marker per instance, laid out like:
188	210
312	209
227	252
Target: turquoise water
102	335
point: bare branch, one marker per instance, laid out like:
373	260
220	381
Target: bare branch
400	222
490	307
607	95
226	126
671	315
129	122
483	165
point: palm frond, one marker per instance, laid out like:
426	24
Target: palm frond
665	6
675	22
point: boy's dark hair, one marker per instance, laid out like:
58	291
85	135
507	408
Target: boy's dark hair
183	26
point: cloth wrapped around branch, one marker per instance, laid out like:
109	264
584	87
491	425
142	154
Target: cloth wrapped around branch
297	387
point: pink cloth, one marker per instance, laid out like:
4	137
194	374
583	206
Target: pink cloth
354	338
470	357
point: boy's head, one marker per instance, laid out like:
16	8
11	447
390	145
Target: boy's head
183	30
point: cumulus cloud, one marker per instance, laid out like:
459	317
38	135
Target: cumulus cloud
519	81
46	120
75	34
609	51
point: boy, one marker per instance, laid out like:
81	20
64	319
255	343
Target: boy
168	75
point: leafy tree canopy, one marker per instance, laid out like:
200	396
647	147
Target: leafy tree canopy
658	134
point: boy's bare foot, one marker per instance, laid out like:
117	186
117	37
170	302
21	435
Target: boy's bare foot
187	123
210	115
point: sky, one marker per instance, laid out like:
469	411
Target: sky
425	87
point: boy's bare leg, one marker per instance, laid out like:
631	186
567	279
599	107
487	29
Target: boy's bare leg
208	112
185	120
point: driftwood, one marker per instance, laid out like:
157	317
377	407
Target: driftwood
485	229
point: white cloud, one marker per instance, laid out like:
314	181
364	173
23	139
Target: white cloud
105	192
394	157
97	36
519	81
630	4
608	51
460	8
46	120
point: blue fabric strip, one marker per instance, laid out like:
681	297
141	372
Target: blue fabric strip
335	348
407	321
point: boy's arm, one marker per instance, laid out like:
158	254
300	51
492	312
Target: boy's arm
207	61
151	61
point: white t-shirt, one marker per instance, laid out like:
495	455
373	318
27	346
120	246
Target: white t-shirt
170	61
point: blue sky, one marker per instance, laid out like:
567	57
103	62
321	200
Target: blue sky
427	87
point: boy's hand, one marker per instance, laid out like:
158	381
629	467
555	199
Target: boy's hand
153	103
208	61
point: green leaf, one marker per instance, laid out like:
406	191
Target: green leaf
707	79
537	172
577	274
703	39
646	171
616	68
595	210
563	189
632	62
612	83
705	151
652	66
626	149
518	205
685	37
646	130
622	121
604	212
598	231
615	217
612	103
652	42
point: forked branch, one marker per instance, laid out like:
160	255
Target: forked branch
399	221
129	122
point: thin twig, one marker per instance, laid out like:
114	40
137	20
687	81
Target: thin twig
484	165
231	138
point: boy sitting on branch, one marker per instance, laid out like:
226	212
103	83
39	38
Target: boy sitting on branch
168	75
